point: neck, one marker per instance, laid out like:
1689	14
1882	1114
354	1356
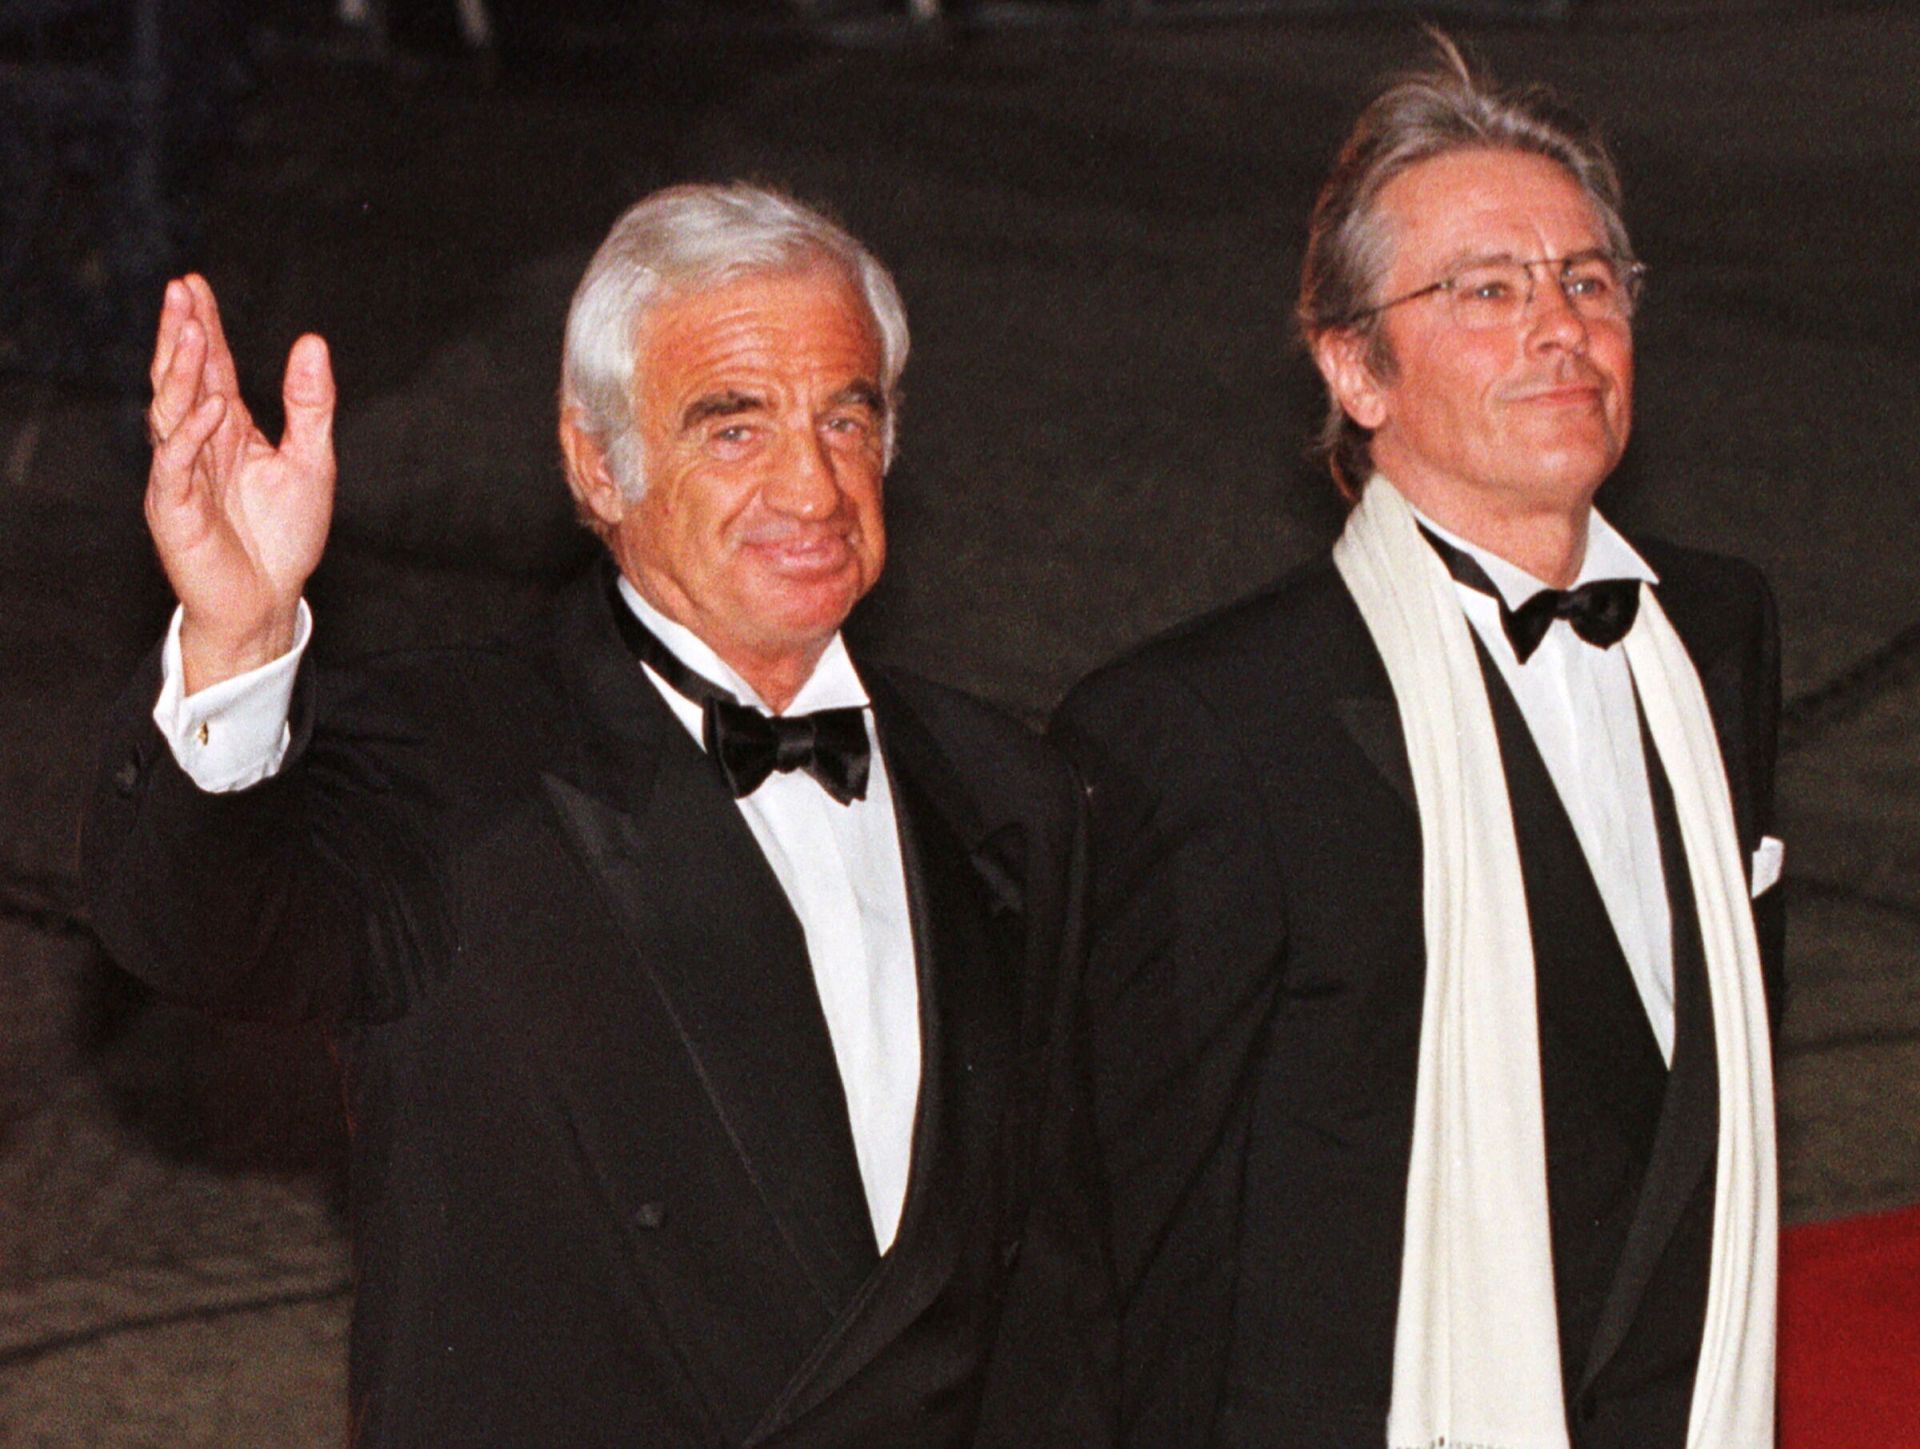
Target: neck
776	680
776	673
1551	552
1549	543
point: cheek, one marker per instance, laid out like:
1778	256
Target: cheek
1458	406
691	522
861	484
1622	370
715	504
1460	382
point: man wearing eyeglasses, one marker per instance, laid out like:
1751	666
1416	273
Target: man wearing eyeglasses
1434	937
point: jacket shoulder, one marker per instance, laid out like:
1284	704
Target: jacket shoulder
1698	570
1720	605
1291	646
1001	764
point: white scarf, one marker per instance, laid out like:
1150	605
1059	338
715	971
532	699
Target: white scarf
1476	1357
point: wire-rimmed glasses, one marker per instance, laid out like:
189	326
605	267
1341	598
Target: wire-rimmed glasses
1499	291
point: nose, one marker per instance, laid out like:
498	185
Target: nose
805	483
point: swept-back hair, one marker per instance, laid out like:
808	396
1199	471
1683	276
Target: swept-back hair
1417	117
688	239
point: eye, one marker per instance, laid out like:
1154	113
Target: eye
851	426
1593	283
731	440
1486	289
1491	286
732	435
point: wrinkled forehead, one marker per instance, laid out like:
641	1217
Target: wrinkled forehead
817	270
756	336
1483	205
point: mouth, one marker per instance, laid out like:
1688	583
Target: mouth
801	554
1577	391
1581	394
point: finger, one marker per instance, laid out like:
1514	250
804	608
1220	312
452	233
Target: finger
308	394
170	480
176	305
220	375
178	391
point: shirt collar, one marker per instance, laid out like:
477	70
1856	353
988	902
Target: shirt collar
834	684
1608	556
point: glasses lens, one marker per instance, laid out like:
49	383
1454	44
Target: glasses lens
1496	294
1491	295
1594	288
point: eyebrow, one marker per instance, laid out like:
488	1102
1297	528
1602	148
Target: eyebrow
731	403
725	404
863	392
1465	261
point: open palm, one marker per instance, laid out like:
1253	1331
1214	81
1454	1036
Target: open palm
238	522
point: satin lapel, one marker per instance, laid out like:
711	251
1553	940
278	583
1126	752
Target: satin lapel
725	957
1366	711
1374	725
964	901
1687	1137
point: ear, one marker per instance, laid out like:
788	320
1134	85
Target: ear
588	476
1341	355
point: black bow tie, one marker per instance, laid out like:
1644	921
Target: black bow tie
829	744
1600	612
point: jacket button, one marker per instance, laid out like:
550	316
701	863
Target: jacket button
1009	1252
650	1215
127	776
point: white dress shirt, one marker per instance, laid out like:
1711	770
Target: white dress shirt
841	868
839	865
1579	706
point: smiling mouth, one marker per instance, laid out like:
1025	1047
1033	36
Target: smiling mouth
1577	401
1576	389
802	554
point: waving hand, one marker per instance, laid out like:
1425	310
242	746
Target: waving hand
239	523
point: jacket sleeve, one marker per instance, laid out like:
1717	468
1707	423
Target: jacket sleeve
1052	1377
306	897
1187	939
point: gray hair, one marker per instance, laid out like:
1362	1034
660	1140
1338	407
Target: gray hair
688	239
1416	118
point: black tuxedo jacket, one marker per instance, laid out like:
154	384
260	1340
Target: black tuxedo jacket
1254	1006
603	1183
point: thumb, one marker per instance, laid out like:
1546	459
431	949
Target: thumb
308	394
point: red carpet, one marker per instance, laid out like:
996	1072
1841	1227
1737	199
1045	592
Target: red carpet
1850	1333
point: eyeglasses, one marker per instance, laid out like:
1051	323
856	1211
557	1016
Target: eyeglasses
1598	286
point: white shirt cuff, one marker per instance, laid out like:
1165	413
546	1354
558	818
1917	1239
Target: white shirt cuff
235	733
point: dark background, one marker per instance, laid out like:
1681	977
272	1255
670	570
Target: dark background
1095	223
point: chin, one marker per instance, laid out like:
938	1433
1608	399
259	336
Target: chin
1581	483
1576	471
809	616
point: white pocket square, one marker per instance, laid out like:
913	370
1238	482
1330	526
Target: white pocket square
1768	859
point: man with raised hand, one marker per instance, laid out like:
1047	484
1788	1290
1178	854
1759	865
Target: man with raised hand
698	991
1432	908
